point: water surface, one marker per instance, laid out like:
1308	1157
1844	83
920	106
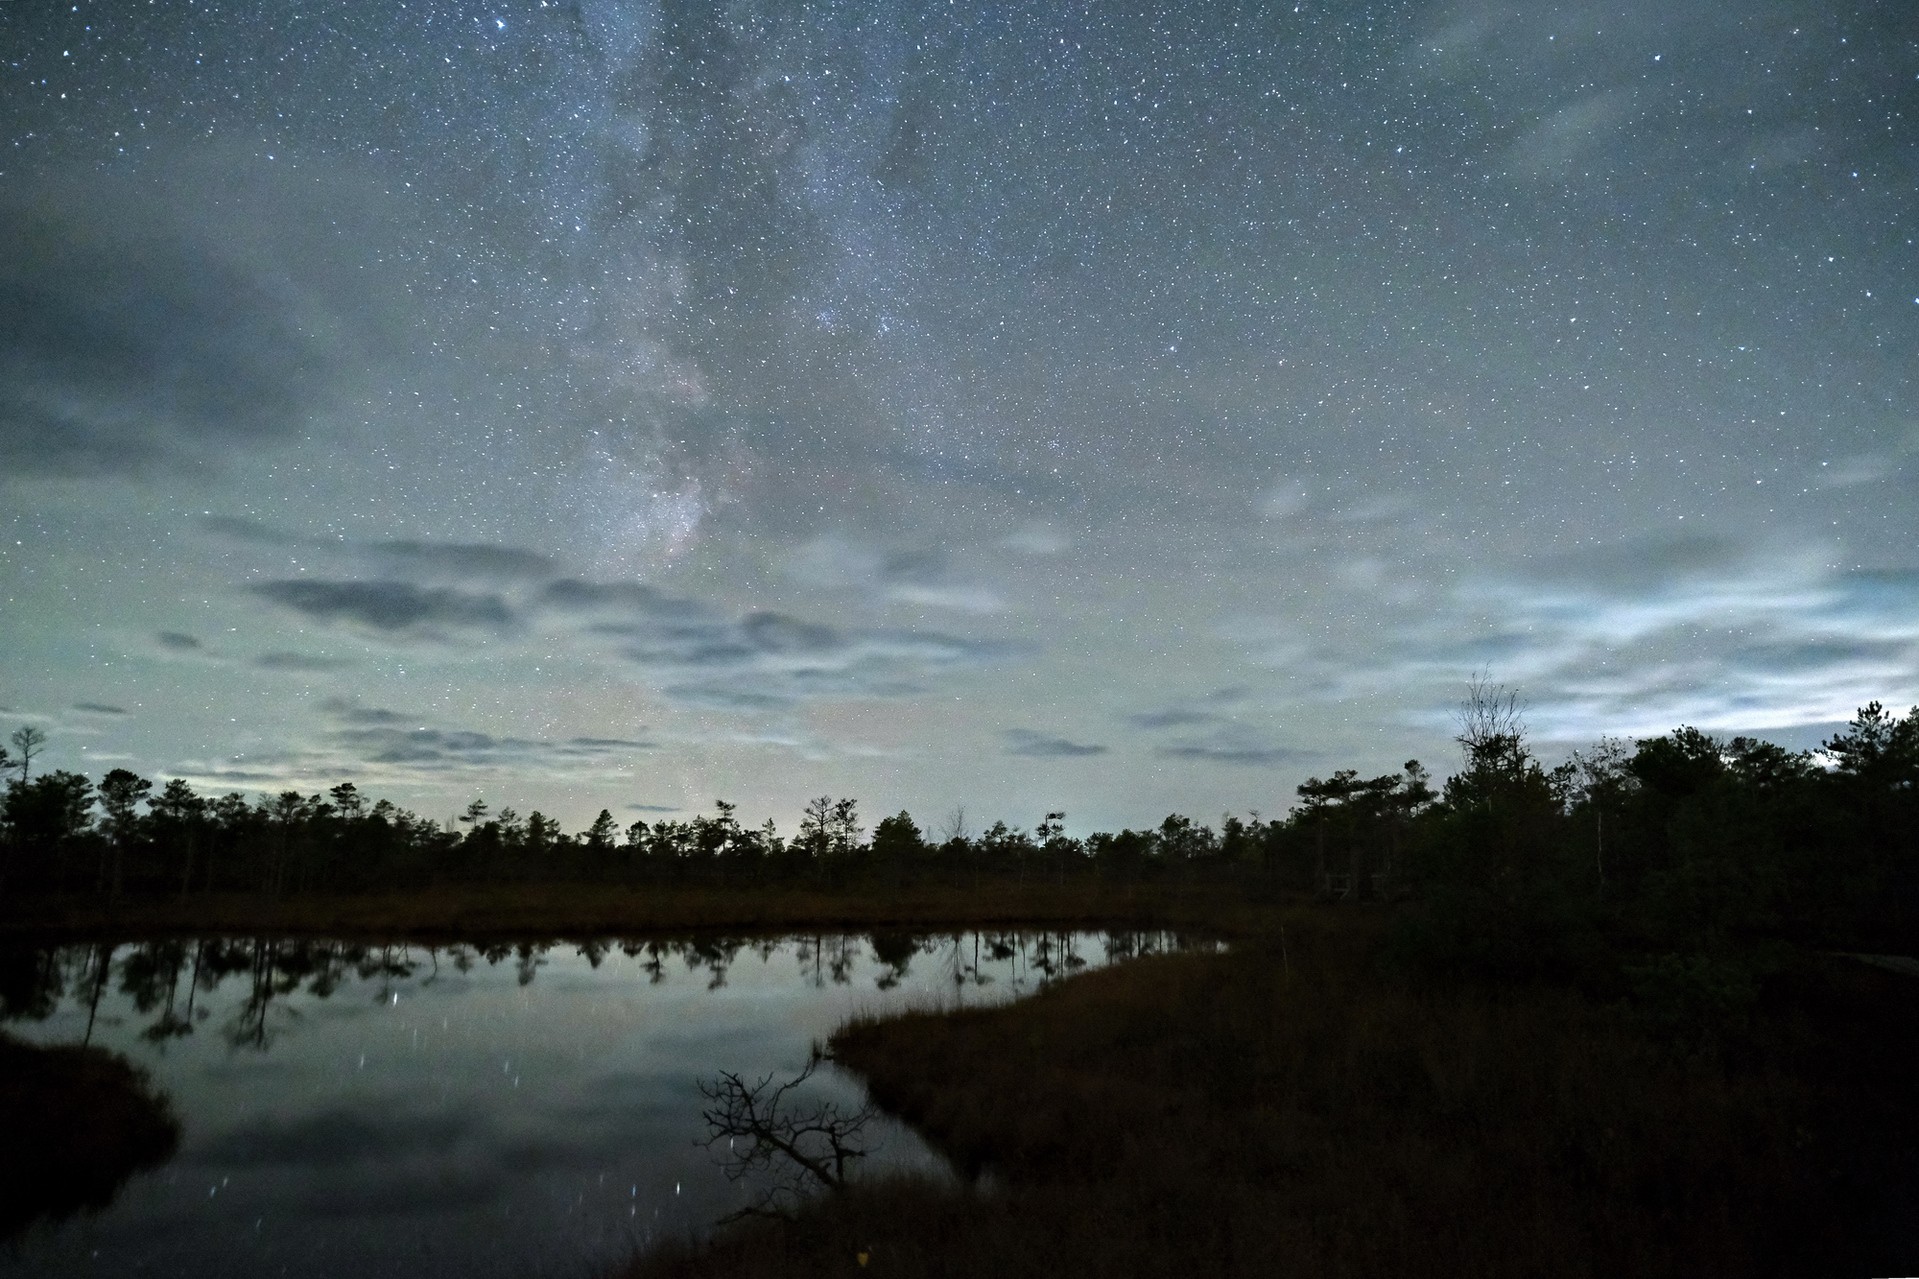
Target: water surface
463	1110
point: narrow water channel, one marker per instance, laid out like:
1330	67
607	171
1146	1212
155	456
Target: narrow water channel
467	1110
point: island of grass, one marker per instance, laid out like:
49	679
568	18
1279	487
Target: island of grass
78	1122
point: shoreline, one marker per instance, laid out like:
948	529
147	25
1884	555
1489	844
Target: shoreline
549	912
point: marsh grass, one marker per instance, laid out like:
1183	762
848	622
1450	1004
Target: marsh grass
1241	1114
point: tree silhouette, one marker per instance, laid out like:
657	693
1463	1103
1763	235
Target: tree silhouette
27	740
121	791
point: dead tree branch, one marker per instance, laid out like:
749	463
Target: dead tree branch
801	1147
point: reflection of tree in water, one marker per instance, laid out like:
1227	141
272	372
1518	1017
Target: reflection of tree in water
716	955
963	960
164	981
150	976
387	966
654	965
895	953
527	962
99	968
267	980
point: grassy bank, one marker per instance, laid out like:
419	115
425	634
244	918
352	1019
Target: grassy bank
1299	1113
532	911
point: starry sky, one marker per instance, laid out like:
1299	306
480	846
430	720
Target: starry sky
1110	407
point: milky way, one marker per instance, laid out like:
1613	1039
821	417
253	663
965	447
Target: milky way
1101	407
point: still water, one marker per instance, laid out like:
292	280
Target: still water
469	1110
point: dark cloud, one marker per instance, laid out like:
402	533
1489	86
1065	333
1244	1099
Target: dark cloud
177	641
572	595
350	713
379	745
126	348
653	808
1020	741
284	661
390	607
99	708
763	660
1234	744
1207	708
1789	657
1640	563
464	559
376	735
1173	717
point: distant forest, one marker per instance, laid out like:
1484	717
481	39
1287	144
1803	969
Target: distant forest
1678	845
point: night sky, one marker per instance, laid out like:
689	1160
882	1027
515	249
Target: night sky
1100	407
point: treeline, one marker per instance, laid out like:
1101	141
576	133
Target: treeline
1679	844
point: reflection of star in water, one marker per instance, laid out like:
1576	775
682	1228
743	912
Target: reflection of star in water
642	520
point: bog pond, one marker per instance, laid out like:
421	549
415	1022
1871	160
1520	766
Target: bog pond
475	1110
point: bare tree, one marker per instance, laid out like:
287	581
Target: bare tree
27	740
1492	726
802	1148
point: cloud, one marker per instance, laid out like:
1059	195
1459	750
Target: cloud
177	641
764	660
1020	741
1037	539
390	607
1234	744
465	560
283	661
99	708
619	598
1720	637
1639	563
378	736
1209	708
917	577
377	745
1556	144
353	713
408	559
126	348
1172	717
653	808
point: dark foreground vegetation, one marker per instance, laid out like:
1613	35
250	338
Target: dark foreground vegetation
1593	1018
78	1122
